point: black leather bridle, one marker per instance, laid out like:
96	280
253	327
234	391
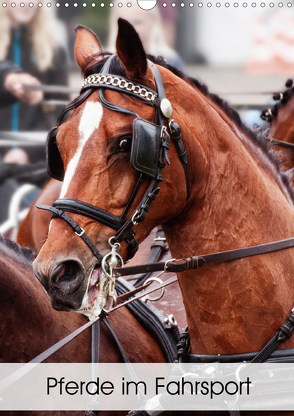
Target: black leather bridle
149	155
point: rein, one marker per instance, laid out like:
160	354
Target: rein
194	262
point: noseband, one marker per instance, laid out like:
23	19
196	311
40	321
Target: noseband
149	155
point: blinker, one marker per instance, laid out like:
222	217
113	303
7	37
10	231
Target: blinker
54	162
146	143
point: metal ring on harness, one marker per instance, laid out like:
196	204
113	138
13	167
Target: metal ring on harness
107	264
153	279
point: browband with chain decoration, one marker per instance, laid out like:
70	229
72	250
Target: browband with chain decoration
114	81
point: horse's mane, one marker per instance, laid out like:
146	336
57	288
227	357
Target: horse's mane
116	68
24	254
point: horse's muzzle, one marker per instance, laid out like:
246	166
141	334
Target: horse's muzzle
66	284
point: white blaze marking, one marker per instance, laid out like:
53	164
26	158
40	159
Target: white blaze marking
89	122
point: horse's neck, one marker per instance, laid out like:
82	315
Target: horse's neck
233	306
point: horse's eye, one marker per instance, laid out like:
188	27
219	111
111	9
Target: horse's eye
125	145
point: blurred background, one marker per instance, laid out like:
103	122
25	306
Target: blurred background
241	51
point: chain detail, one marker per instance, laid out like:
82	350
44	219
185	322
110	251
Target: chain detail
120	83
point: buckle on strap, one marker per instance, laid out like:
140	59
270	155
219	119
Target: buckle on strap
166	265
81	233
134	217
182	265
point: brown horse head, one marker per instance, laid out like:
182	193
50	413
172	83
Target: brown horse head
93	152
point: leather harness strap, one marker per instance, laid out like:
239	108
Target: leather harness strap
164	332
79	231
82	208
95	342
267	354
284	333
177	139
95	349
194	262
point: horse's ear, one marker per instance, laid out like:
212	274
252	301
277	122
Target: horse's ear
86	47
130	50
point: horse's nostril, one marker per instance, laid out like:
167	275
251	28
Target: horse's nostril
67	276
69	271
